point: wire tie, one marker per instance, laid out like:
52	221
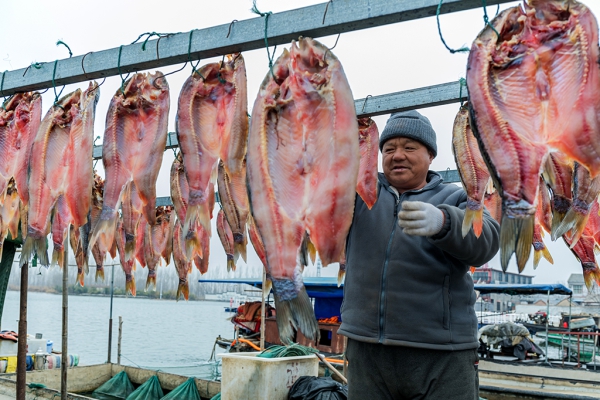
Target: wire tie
56	96
365	103
463	82
326	8
120	74
230	26
486	20
194	67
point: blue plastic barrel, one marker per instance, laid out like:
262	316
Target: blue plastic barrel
49	344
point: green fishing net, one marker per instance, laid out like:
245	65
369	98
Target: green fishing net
293	350
150	390
118	387
186	391
216	397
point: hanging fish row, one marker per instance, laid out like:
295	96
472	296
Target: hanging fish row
532	128
118	215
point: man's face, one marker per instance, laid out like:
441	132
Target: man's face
405	163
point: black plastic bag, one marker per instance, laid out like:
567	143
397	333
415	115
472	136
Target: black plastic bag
313	388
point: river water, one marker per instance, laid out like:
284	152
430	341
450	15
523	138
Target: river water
172	336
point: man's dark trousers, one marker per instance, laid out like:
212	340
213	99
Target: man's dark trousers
378	372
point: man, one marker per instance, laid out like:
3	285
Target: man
408	299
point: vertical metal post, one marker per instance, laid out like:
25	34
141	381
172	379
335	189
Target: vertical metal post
119	342
65	325
112	285
263	320
594	349
569	326
547	321
22	343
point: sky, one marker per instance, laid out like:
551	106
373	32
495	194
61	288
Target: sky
376	61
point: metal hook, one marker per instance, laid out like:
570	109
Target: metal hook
230	25
168	35
325	13
365	103
336	41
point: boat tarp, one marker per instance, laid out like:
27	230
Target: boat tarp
323	287
553	288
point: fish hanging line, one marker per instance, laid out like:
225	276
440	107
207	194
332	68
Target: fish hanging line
269	55
486	20
85	72
56	96
94	144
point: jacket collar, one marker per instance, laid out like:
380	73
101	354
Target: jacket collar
433	180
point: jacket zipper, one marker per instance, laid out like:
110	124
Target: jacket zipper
385	264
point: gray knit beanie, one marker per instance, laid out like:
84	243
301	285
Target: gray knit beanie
410	124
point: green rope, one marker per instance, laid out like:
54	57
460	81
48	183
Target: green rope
293	350
269	55
37	65
120	74
67	46
437	16
487	20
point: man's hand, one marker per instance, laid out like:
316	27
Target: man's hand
421	219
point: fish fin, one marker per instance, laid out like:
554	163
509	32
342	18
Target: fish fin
86	266
130	284
490	188
295	313
472	269
80	277
151	280
99	273
58	257
183	289
312	251
516	235
472	218
39	246
341	276
591	274
547	255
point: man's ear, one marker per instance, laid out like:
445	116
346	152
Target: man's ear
431	156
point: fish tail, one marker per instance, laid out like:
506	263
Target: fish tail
557	219
230	263
591	274
472	218
104	227
575	222
58	257
197	213
99	272
472	269
183	289
341	276
151	280
129	249
268	286
86	266
80	277
35	245
312	251
294	310
130	284
239	246
192	244
516	236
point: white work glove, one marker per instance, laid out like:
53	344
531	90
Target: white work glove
421	219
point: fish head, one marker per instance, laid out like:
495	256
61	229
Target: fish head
405	163
158	86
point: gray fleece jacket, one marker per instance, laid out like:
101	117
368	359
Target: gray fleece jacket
413	290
